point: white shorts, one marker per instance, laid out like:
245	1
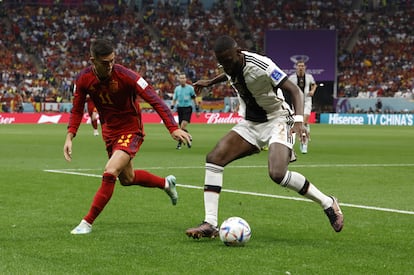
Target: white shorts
262	134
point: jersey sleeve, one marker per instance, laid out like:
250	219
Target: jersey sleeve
147	92
76	113
276	75
311	79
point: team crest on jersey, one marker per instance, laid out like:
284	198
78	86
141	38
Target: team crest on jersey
276	75
142	83
113	86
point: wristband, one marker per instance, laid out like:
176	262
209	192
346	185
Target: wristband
172	107
298	118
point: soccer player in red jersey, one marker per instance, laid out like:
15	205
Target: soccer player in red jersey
93	114
114	90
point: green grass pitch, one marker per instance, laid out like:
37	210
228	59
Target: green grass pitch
42	197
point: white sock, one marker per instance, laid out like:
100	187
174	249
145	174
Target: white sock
319	197
213	182
298	183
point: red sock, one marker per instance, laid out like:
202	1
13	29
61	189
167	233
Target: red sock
147	179
102	197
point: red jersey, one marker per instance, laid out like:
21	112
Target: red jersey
116	100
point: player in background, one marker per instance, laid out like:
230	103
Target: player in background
307	85
267	120
114	90
184	97
93	114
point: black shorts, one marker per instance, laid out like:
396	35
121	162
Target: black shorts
184	113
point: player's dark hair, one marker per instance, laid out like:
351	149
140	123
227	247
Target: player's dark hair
101	47
223	43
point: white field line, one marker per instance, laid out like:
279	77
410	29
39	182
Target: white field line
263	166
73	172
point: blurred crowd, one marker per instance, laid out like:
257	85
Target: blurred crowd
45	43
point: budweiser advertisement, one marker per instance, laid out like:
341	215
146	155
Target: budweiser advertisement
55	118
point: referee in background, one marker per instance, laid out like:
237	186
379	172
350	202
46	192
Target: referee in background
184	96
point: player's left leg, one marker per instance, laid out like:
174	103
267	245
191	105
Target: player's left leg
279	157
146	179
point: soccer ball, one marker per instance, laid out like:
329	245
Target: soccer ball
235	231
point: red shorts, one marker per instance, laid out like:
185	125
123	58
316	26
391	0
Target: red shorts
129	143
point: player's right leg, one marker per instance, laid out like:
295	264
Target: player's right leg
232	146
83	228
100	200
212	188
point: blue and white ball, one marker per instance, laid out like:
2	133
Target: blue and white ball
235	231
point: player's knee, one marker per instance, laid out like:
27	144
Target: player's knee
277	175
126	179
215	158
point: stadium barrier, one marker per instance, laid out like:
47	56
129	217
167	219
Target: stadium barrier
54	118
367	119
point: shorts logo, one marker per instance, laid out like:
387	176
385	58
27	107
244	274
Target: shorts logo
276	75
125	140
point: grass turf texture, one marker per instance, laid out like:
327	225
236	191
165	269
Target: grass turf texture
140	232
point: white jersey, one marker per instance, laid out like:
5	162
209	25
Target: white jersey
305	88
256	89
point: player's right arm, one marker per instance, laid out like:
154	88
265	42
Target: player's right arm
67	148
76	115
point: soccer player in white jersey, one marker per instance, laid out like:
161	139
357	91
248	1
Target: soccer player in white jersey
268	120
307	85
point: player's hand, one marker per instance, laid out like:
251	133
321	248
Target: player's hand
67	148
180	135
301	131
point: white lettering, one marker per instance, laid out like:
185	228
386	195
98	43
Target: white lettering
217	118
397	120
350	120
372	119
6	120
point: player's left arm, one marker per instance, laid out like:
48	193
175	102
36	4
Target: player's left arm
297	101
147	92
